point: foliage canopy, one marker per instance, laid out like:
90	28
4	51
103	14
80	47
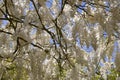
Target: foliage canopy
59	39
